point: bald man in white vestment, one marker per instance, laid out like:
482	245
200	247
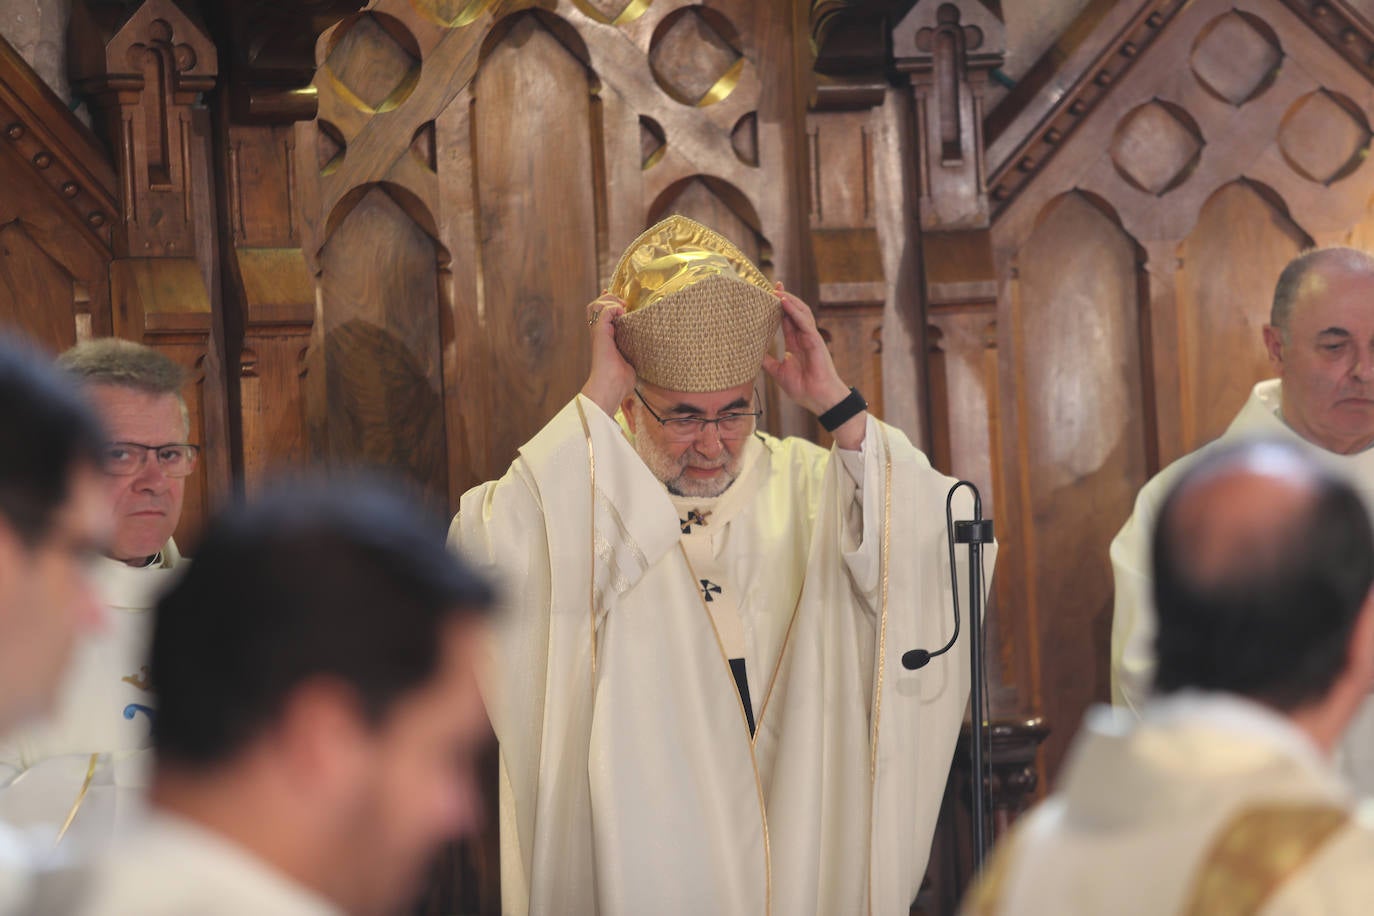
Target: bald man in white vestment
54	517
70	782
697	686
1320	340
1223	797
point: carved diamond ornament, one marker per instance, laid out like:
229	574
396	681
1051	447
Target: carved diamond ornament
612	12
1324	136
452	14
692	59
1156	147
374	61
1236	57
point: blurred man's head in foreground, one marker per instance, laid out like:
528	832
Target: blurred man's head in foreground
1263	562
317	679
54	518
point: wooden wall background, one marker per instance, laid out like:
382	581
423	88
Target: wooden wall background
370	230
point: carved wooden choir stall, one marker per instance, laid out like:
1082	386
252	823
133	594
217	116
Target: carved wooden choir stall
371	230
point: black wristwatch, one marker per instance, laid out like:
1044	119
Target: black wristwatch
843	412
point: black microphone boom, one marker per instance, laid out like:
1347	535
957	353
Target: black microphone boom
975	534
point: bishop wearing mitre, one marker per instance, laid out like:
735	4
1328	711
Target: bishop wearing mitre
697	685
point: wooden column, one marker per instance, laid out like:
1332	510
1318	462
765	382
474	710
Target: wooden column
264	147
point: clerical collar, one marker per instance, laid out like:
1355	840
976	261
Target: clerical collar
1278	413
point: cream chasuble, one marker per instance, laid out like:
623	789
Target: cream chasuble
16	872
1209	806
79	776
1133	621
629	781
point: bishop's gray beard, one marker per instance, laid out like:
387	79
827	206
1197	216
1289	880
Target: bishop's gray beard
673	471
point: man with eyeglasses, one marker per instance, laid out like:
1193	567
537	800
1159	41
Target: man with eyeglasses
697	684
54	518
74	780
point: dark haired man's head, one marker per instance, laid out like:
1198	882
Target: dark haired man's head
54	517
1263	562
316	674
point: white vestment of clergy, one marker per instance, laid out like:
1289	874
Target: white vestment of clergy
16	872
1208	805
629	780
80	775
1133	622
169	866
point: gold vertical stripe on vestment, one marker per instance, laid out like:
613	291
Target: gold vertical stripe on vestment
883	558
591	536
1256	853
80	797
777	665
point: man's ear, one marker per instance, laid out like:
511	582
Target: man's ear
1360	654
13	559
1273	345
323	735
627	407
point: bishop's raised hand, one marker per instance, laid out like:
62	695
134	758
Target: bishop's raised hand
806	373
612	378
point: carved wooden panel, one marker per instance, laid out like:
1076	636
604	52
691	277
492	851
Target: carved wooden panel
846	243
538	263
1076	290
1229	264
55	214
36	294
1137	237
380	348
530	143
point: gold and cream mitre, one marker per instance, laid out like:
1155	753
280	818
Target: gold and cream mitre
699	316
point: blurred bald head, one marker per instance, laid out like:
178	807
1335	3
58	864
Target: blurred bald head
1263	561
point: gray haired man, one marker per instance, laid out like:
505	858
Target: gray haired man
72	781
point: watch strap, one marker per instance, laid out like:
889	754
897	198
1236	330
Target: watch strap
853	405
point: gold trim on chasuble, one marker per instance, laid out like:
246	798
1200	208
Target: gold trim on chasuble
882	650
591	539
1256	853
744	720
80	797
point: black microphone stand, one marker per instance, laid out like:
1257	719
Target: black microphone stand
975	534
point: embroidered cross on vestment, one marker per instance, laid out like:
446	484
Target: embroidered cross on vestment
694	517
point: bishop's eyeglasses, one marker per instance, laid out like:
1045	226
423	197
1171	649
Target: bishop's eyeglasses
732	425
124	459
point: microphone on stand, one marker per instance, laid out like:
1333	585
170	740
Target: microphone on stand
975	534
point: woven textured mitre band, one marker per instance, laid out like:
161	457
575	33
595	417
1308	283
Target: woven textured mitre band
699	315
